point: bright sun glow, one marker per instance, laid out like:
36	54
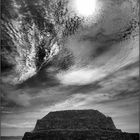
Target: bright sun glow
86	7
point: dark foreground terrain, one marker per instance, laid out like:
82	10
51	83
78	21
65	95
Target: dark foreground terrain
11	138
77	125
79	135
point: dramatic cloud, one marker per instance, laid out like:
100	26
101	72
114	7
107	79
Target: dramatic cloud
69	62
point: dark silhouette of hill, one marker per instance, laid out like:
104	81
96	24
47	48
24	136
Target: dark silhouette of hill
77	125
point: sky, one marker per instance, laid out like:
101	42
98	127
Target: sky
89	61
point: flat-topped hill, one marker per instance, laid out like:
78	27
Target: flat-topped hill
73	114
75	119
77	125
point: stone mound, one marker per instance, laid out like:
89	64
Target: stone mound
77	125
75	119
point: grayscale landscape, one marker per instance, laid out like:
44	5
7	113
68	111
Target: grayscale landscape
62	55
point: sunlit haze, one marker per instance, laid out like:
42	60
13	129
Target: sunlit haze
86	7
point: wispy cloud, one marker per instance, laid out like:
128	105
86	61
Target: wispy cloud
17	125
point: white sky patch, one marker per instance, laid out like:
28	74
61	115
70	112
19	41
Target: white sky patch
80	76
89	10
86	7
